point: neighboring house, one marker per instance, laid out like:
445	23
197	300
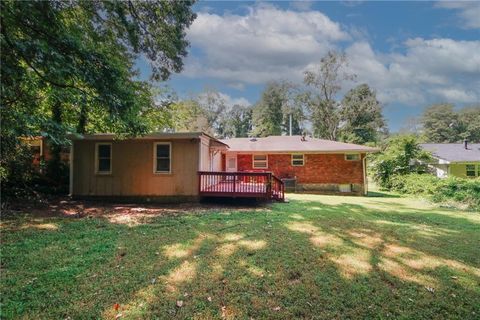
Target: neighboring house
311	164
454	159
186	166
41	150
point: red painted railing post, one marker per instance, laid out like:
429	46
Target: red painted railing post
234	182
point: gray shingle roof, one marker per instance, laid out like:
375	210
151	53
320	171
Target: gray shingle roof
454	152
292	144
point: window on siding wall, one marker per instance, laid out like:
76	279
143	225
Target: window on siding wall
352	157
260	161
470	170
163	157
104	158
297	160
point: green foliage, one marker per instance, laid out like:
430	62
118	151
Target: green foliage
239	122
325	83
457	190
267	114
441	123
361	115
398	157
69	66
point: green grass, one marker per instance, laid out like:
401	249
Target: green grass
320	257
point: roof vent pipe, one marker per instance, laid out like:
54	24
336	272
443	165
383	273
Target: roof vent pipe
465	144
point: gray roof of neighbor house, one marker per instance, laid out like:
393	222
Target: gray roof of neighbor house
454	152
292	144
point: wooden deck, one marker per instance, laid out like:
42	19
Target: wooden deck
241	184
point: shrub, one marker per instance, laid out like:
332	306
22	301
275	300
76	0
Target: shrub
452	189
399	156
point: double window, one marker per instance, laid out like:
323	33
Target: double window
260	161
103	158
470	170
162	157
298	160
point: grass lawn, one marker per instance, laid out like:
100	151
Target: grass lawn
319	257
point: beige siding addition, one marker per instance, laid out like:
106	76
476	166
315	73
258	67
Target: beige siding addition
133	169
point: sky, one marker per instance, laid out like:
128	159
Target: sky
413	54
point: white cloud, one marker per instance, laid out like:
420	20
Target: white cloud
468	12
230	101
429	69
267	43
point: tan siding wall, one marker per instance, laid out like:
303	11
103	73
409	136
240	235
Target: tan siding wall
204	154
217	161
132	170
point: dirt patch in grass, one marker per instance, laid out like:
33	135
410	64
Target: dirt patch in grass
124	213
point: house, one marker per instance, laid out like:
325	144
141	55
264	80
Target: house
454	159
187	166
42	150
310	164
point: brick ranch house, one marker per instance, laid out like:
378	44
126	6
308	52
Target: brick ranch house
188	166
305	164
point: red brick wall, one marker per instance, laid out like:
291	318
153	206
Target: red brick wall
318	168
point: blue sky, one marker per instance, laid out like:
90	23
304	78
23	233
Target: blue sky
412	53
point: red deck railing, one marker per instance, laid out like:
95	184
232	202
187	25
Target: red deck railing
240	184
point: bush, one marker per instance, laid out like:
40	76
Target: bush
452	189
400	156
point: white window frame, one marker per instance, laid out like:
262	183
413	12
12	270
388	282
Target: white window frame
298	154
354	154
169	144
97	145
256	161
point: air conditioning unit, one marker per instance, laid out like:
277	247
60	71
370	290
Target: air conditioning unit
290	184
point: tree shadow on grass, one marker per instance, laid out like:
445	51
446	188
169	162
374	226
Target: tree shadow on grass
304	259
379	194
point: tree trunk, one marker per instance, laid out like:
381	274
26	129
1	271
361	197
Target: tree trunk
54	164
82	121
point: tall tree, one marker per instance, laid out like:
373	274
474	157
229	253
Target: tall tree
441	124
238	124
214	107
469	119
361	116
268	112
84	52
88	49
326	83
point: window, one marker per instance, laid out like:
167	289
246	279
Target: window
352	157
162	154
470	170
260	161
104	158
297	160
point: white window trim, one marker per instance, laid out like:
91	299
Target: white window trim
298	154
96	157
169	144
358	154
266	161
